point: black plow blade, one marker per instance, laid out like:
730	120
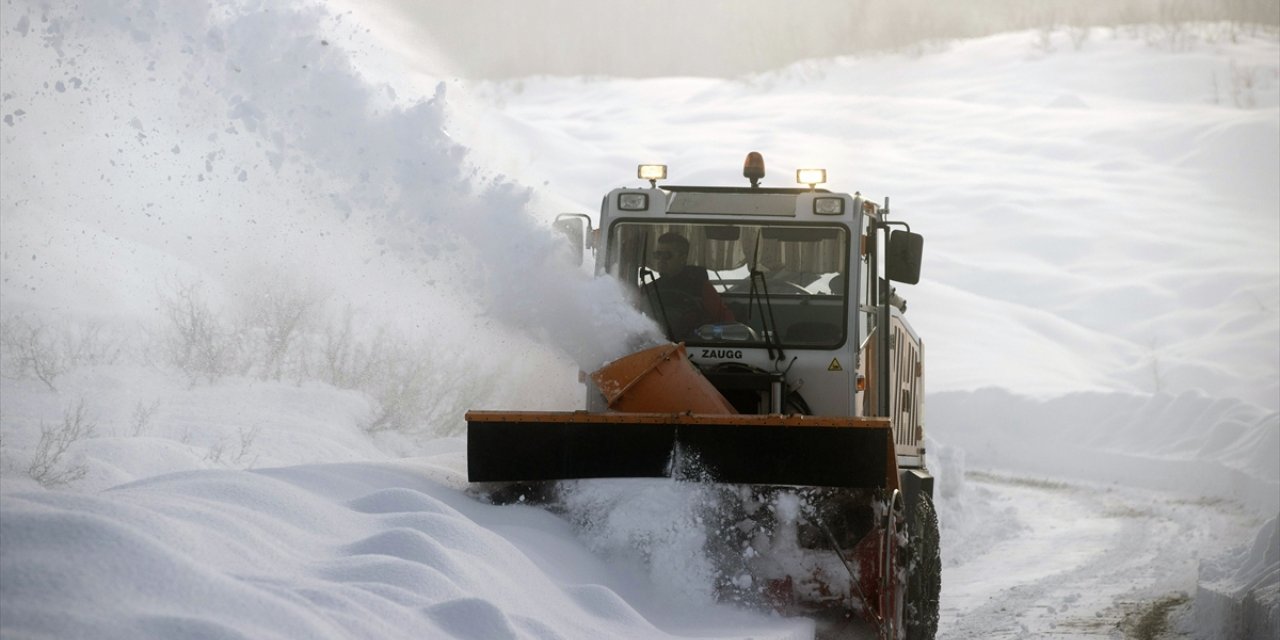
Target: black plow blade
790	450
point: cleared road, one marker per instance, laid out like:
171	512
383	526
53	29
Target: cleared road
1033	559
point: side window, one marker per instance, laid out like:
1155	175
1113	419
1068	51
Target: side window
867	316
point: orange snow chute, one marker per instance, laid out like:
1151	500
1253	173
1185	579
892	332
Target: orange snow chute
667	420
659	380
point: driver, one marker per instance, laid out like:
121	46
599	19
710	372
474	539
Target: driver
670	260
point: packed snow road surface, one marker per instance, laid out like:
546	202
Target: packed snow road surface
1046	559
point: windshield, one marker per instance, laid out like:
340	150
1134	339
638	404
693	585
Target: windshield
716	283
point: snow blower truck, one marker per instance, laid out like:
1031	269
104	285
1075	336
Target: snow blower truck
791	382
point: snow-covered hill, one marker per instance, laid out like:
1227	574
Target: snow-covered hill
1101	304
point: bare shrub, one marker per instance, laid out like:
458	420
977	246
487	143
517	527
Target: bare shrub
247	438
346	361
1044	39
47	464
1174	25
220	451
35	348
402	389
94	343
1244	81
32	350
215	451
279	333
399	376
6	463
1157	375
142	414
194	339
421	392
274	325
1078	34
404	379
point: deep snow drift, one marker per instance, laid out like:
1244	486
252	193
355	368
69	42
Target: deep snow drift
1100	300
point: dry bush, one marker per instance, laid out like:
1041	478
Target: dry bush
141	418
345	360
219	452
194	338
280	333
32	349
402	389
1078	35
35	348
1244	86
418	399
275	325
94	343
420	388
416	386
47	466
247	438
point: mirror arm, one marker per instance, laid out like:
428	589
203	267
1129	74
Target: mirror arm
577	228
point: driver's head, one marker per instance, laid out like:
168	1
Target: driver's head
672	254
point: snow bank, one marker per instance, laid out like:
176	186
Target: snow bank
1238	596
1190	443
316	551
147	422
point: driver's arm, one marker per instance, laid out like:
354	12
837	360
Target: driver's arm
714	305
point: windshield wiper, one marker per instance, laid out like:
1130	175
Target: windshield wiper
760	296
650	288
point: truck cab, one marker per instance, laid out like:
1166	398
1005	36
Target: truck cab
803	273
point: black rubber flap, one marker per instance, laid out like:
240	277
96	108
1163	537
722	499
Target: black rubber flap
731	453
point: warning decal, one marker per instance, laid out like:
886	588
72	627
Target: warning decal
835	365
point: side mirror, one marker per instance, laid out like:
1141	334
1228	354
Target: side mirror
575	227
902	257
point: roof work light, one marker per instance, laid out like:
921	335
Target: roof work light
652	172
811	177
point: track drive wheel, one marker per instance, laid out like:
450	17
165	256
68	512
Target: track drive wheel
924	571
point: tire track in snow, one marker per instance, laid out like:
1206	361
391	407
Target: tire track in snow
1081	561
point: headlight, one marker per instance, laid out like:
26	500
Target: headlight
633	201
828	206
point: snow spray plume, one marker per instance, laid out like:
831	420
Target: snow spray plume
532	285
224	133
701	542
658	526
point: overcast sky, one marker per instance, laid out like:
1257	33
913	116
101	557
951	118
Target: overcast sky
645	38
